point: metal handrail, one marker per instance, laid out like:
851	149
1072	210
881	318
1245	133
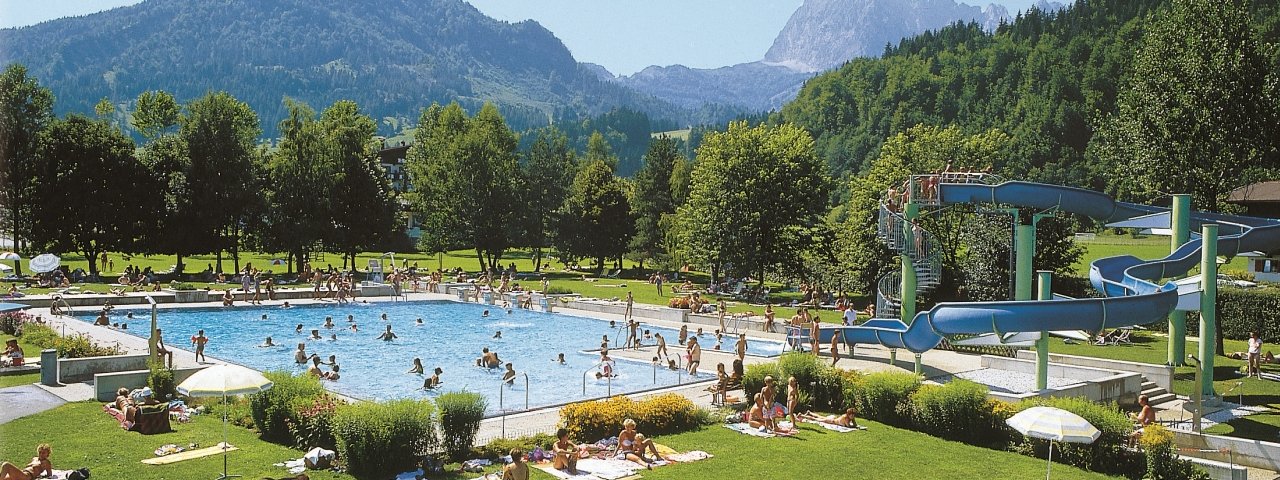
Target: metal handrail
609	391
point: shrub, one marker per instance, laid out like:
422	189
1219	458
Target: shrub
11	323
1241	311
555	290
236	409
161	381
958	410
850	389
274	408
662	414
382	439
882	396
678	302
75	346
1162	460
312	425
753	380
499	447
460	415
183	286
1107	454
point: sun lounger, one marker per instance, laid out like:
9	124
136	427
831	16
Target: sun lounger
188	455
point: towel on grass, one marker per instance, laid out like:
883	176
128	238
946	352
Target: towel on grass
596	469
747	429
839	428
692	456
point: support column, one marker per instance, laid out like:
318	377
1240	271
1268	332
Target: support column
1044	291
1180	232
1024	244
1208	305
907	311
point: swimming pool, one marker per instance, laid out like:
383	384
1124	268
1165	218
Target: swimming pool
451	337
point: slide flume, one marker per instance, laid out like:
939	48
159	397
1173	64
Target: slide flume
1132	296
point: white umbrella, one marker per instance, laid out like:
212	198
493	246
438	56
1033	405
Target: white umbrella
10	256
45	262
1054	425
5	268
224	380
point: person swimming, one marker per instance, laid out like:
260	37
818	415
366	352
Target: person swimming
300	356
417	366
333	337
434	380
264	316
351	318
485	313
328	322
418	322
355	328
488	359
498	334
560	358
384	317
286	304
315	334
510	376
387	335
297	329
268	343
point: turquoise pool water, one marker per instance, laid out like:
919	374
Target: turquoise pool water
451	337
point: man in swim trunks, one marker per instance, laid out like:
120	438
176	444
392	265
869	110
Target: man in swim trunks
488	359
40	466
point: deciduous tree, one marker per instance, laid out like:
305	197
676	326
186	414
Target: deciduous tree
26	108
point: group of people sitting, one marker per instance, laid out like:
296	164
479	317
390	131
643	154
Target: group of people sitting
13	356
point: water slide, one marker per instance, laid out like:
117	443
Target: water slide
1132	294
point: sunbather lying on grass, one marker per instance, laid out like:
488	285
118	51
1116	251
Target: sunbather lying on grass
39	466
849	419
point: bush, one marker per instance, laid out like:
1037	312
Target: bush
275	408
502	446
556	290
882	396
236	409
959	410
1162	460
383	439
663	414
183	286
161	381
460	415
11	323
1107	454
75	346
753	380
312	425
1241	311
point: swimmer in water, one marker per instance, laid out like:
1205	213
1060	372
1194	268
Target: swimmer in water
351	318
355	328
315	334
387	335
264	316
498	334
419	322
328	322
333	337
286	304
434	380
510	376
485	314
384	317
560	358
268	343
297	329
300	355
417	366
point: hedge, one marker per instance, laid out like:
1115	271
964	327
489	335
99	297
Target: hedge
460	415
662	414
1107	454
379	440
276	408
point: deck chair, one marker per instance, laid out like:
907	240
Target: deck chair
614	274
1122	337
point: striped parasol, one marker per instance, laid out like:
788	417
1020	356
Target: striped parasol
1054	425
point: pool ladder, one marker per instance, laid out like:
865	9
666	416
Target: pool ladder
65	308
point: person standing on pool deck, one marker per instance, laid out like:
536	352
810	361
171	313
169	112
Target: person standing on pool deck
721	307
662	345
198	341
633	335
814	330
695	356
161	350
630	301
387	335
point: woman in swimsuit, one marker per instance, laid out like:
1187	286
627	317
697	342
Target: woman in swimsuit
849	419
566	452
39	466
632	445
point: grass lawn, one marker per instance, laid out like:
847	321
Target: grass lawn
83	436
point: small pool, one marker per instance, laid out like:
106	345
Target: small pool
451	337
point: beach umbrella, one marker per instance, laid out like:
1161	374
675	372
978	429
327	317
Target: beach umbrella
224	380
5	268
45	262
1054	425
11	256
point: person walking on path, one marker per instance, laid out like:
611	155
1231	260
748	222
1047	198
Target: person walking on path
198	341
1255	355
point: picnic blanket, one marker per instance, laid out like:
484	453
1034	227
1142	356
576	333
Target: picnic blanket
188	455
756	432
596	469
838	428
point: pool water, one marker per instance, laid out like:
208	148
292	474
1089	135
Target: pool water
451	337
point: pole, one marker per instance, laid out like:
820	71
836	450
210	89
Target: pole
1048	468
1180	232
907	292
1208	306
1024	240
1045	292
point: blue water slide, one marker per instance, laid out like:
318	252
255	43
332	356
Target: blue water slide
1133	296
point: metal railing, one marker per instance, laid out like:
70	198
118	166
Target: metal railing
609	381
502	387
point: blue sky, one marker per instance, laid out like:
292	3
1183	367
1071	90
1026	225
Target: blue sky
700	33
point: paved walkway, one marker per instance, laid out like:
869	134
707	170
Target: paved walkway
24	400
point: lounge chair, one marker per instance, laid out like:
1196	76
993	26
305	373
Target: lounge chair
614	274
1122	337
